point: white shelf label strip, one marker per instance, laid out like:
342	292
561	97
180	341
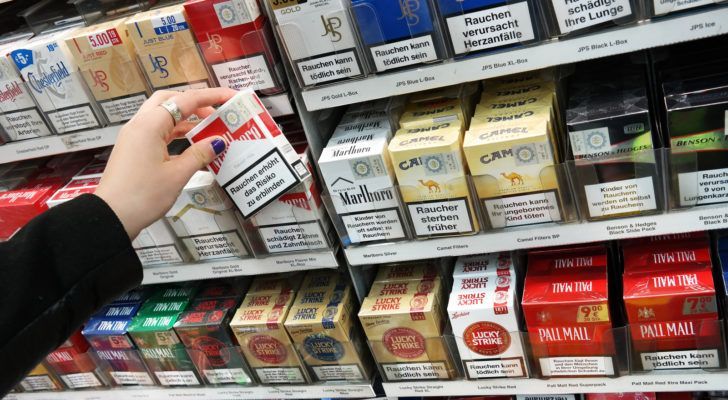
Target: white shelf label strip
635	383
611	42
58	144
239	267
697	219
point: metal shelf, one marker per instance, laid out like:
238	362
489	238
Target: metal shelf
696	219
619	40
239	267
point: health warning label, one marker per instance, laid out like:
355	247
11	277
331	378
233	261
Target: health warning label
630	195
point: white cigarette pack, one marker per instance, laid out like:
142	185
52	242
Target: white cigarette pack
157	244
482	264
259	164
206	221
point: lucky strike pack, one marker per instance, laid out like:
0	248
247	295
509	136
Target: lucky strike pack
566	307
670	302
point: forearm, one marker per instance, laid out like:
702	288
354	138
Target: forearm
54	274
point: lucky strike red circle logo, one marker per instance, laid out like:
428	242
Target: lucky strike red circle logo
212	350
404	342
487	338
267	349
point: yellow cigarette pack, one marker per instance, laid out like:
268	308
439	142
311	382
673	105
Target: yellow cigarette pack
403	321
258	326
167	50
432	112
278	283
105	56
541	75
406	272
321	325
431	173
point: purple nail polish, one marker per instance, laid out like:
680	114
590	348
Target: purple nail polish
218	146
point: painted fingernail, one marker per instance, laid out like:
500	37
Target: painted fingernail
218	146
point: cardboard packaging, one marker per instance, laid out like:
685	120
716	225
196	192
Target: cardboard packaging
204	329
20	117
166	49
433	112
579	15
696	127
40	378
359	179
566	307
482	264
19	206
484	315
670	299
431	172
398	35
486	25
406	272
105	56
46	64
663	7
237	43
204	218
258	326
322	324
74	366
259	164
319	40
403	321
73	189
158	244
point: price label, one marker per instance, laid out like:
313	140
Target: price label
100	40
285	3
699	305
594	313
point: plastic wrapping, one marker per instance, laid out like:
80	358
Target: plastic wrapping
657	8
158	244
94	11
581	16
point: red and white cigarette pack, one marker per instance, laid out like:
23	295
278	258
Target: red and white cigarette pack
19	206
237	42
74	365
73	189
484	315
670	302
259	164
566	307
482	264
622	396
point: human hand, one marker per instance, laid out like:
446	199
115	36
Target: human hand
141	181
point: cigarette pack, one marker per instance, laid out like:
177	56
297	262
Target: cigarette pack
432	112
403	321
108	335
46	64
569	17
237	43
482	264
663	7
105	55
40	378
621	396
359	178
486	25
566	307
669	296
158	244
204	329
20	117
484	315
406	272
258	326
319	39
398	34
206	221
74	365
167	50
323	327
19	206
357	131
259	164
275	284
73	189
430	169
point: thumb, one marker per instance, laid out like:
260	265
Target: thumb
197	156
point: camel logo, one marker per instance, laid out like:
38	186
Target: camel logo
213	42
409	8
330	27
516	179
158	64
99	78
431	185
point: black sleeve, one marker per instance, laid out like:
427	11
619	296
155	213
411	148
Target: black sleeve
54	273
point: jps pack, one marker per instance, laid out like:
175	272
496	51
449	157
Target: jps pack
46	64
430	170
166	49
206	221
566	306
259	164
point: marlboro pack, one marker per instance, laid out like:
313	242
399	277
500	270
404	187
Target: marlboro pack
157	244
237	42
484	315
19	206
39	379
73	189
259	164
322	325
566	307
669	296
206	221
74	365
